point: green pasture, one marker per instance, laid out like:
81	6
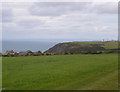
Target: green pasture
61	72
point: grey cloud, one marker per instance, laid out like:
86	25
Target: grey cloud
62	8
7	15
57	8
30	23
106	8
72	25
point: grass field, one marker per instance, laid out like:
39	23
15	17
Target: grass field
0	73
61	72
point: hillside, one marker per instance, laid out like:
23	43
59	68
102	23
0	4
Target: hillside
84	47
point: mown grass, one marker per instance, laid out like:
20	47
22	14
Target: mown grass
61	72
0	73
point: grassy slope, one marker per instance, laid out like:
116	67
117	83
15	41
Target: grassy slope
107	44
98	72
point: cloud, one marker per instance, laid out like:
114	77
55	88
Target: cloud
60	21
30	23
106	8
63	8
7	15
11	11
57	8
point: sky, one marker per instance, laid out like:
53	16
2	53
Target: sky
59	21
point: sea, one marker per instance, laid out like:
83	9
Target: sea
19	46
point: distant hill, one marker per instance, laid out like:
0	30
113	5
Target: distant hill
93	47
